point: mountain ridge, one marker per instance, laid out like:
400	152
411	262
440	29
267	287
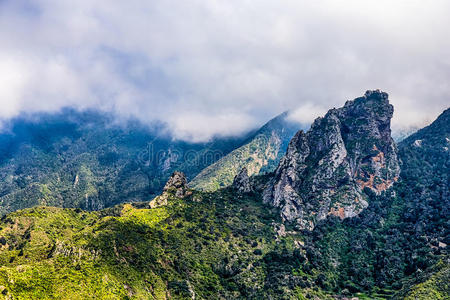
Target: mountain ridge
258	155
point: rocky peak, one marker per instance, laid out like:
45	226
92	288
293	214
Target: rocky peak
176	186
177	183
326	169
241	181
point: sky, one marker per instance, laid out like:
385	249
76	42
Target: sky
217	67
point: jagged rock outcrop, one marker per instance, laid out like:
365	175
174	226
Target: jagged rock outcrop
176	186
326	169
241	182
177	183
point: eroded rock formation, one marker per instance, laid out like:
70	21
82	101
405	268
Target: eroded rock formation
176	186
326	169
242	182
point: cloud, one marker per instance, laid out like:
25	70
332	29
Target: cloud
221	67
306	113
198	127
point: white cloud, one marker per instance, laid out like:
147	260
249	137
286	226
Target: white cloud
198	127
306	113
220	67
12	79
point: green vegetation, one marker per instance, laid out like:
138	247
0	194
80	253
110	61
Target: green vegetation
223	246
214	245
229	245
432	284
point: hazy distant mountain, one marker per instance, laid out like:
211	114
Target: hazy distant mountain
84	159
259	154
401	134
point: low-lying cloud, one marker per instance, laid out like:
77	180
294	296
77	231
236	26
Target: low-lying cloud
222	67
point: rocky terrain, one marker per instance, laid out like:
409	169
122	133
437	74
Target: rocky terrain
177	185
326	169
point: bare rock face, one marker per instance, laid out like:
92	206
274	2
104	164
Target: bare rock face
176	186
242	182
326	169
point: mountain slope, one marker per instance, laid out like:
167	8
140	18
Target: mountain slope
260	154
204	249
432	284
82	159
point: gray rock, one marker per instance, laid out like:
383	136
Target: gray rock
176	186
326	169
241	182
178	183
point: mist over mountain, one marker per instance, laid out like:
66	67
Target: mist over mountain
190	150
260	154
211	68
89	160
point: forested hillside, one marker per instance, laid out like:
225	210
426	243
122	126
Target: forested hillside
88	160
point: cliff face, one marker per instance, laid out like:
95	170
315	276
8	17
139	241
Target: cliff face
326	169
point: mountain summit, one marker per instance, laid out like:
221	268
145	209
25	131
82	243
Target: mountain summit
326	169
